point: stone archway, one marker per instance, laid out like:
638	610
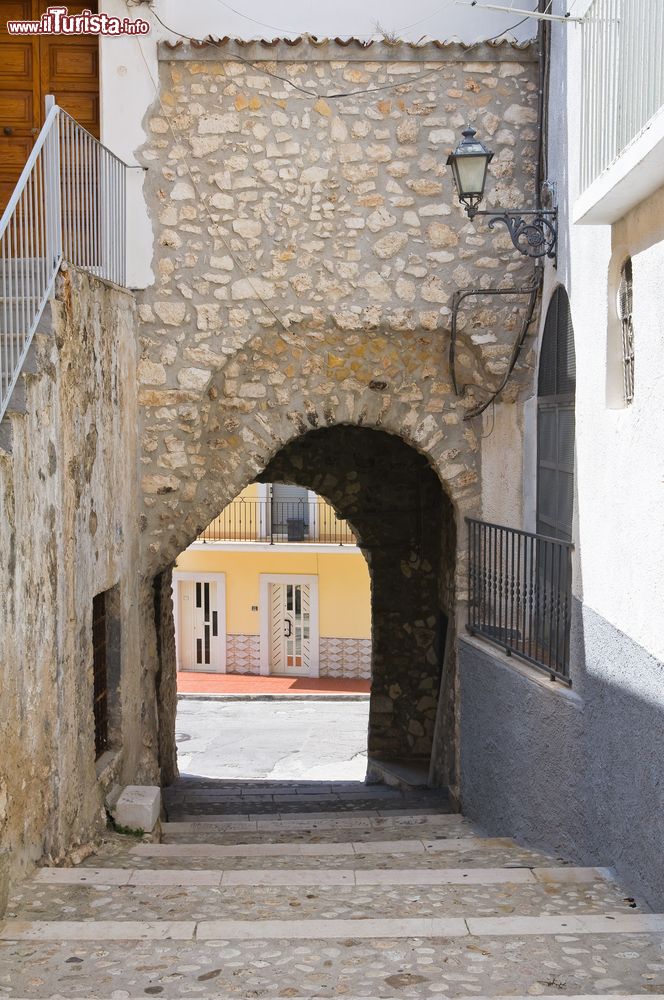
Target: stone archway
405	523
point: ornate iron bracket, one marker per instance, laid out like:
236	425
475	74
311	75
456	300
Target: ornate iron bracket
535	238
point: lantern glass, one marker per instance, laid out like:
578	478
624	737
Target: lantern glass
469	163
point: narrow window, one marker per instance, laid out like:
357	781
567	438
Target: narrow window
106	670
99	671
625	307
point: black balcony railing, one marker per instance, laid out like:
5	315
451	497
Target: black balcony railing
520	594
275	521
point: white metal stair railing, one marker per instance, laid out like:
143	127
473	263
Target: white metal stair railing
69	204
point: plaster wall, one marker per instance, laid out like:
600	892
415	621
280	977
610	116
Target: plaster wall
343	586
579	772
570	771
620	461
68	494
502	464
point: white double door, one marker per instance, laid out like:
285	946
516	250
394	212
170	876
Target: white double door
200	626
291	629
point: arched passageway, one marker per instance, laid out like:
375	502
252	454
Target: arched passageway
404	523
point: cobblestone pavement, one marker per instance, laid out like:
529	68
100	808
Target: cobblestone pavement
359	892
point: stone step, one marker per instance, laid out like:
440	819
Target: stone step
258	894
318	822
224	805
313	902
315	877
485	996
315	836
345	793
430	851
286	805
261	818
436	968
394	928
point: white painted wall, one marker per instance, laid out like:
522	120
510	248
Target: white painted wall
619	530
128	64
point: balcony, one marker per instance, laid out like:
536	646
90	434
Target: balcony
622	107
274	522
520	594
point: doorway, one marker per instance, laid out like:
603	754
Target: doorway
289	625
200	621
32	66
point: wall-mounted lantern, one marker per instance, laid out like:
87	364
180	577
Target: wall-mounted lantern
470	162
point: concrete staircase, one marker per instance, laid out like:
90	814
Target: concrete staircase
263	890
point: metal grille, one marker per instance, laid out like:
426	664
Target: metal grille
520	594
625	306
623	78
100	673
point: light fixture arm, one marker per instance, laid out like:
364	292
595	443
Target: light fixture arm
533	233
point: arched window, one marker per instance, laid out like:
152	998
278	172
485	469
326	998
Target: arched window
555	421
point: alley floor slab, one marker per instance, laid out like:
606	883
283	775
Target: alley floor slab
340	901
385	968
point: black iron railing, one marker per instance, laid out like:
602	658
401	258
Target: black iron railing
520	594
275	521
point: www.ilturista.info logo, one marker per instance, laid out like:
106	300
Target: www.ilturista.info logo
58	21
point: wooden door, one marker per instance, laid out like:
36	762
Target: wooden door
20	112
31	67
69	69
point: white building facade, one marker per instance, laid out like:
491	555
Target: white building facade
580	769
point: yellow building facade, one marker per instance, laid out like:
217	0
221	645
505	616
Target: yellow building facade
275	585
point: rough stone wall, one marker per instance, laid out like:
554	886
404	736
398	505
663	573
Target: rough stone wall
68	494
306	254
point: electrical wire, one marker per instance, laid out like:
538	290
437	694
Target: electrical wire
260	67
238	262
296	31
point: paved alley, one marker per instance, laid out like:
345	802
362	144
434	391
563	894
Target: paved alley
282	740
294	889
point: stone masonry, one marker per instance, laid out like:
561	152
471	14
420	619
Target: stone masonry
307	247
68	531
306	251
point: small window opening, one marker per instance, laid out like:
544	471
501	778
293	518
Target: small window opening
100	673
106	670
625	309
